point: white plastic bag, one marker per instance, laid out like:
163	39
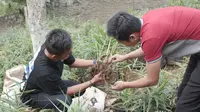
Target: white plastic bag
93	100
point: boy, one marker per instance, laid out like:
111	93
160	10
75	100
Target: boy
45	81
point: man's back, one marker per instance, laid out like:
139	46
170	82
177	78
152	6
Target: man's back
44	68
169	25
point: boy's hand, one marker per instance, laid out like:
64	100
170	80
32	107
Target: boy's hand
97	78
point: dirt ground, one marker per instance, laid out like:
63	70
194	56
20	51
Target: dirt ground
101	10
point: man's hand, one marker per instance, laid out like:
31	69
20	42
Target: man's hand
97	78
119	85
116	58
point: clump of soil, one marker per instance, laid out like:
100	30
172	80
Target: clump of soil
109	71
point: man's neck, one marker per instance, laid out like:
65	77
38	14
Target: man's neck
141	21
48	55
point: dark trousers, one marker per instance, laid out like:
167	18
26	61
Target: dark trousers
45	101
188	97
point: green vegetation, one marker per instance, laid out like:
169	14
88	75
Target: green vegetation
188	3
15	49
11	6
90	42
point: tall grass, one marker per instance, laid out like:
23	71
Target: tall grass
15	49
90	42
10	7
159	98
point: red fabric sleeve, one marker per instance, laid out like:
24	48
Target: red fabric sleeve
152	49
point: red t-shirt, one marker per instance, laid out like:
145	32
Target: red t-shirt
167	25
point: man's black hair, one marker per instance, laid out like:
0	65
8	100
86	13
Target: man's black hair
58	41
121	25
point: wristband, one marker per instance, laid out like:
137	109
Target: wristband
94	62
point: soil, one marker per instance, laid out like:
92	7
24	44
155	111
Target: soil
101	10
109	71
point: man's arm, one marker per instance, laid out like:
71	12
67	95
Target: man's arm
81	63
151	79
135	54
138	53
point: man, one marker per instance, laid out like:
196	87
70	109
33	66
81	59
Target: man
170	32
44	86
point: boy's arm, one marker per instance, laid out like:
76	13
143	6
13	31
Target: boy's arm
81	63
81	87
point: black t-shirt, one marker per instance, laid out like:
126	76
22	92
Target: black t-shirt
46	75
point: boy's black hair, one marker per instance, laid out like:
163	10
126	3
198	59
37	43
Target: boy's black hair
58	41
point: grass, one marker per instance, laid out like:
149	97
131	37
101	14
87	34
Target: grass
15	49
3	9
10	8
188	3
90	42
159	98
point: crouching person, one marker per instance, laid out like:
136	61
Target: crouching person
44	86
